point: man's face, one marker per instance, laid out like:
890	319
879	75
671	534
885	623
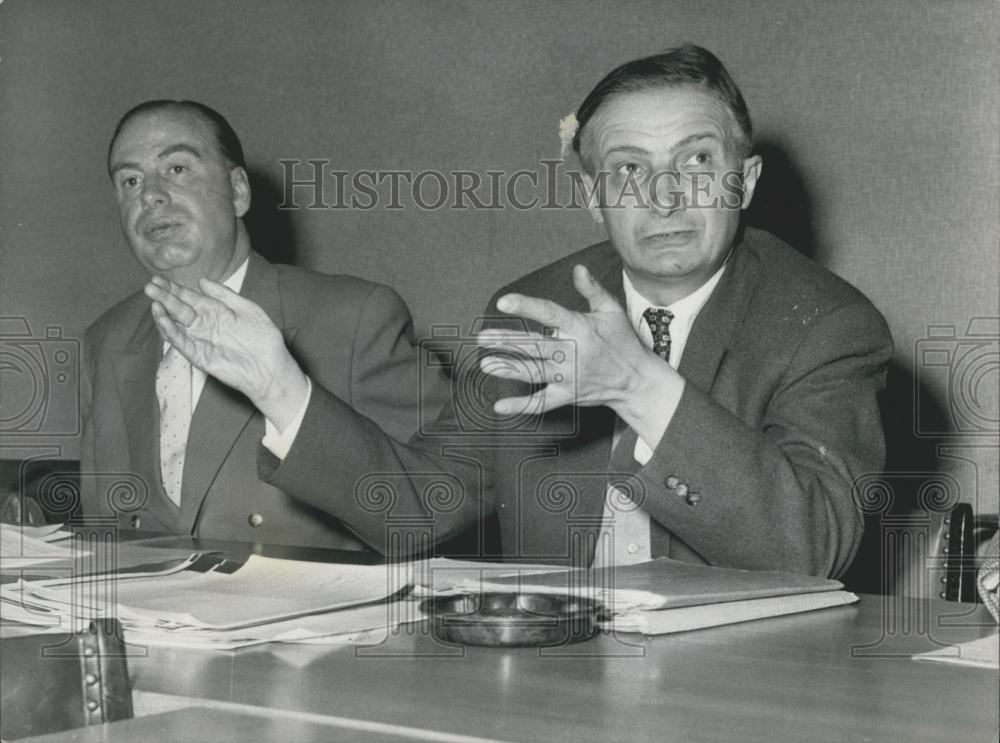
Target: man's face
179	201
675	186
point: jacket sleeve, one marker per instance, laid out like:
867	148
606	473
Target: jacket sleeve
350	457
778	495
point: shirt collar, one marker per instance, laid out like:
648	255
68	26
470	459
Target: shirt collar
684	310
235	282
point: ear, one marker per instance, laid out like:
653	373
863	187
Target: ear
751	172
593	203
241	190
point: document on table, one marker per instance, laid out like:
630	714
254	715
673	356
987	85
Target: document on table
664	584
264	590
981	653
444	574
682	619
23	547
19	604
657	596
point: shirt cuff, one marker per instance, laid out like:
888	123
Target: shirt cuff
643	452
279	442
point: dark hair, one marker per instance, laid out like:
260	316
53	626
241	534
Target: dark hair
684	65
229	144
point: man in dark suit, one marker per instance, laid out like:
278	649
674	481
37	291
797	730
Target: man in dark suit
184	444
689	388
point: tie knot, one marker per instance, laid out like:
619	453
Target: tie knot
658	320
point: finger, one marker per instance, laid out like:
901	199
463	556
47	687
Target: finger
177	309
531	371
517	342
533	347
595	294
225	295
543	311
173	332
196	300
542	401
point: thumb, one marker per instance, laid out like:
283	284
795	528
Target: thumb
594	293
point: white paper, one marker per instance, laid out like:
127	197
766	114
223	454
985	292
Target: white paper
665	621
19	549
981	653
265	589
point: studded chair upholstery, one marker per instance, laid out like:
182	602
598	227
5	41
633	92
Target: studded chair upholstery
50	683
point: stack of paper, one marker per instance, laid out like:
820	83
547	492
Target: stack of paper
663	595
27	546
206	601
264	600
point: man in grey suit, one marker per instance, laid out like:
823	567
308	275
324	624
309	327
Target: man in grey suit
186	442
690	388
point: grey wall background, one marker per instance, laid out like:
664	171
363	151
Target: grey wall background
878	122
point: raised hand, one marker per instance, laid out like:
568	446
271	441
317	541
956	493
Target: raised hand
232	339
595	359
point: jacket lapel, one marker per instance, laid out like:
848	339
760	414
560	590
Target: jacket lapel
720	319
222	414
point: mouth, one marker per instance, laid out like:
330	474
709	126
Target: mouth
161	228
668	238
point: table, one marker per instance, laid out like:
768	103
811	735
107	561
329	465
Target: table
834	675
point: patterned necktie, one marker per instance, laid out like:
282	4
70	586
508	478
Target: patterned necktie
173	391
658	320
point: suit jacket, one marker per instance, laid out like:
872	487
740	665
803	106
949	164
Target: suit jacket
777	420
354	340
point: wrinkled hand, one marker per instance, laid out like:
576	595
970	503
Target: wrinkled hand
232	339
597	359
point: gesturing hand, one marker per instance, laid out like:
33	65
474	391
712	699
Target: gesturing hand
232	339
597	359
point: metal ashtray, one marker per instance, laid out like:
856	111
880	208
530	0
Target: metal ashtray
512	619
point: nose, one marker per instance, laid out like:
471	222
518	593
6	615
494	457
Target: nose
667	193
153	193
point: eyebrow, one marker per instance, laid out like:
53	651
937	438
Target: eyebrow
174	148
694	138
179	148
632	150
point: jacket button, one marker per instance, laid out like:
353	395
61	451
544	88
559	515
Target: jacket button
681	489
672	482
136	522
255	519
692	499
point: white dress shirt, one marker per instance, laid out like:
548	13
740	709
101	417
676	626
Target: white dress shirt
625	536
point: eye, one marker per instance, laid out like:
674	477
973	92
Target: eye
178	169
629	168
129	182
698	158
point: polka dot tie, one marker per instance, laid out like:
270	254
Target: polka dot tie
173	391
658	320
